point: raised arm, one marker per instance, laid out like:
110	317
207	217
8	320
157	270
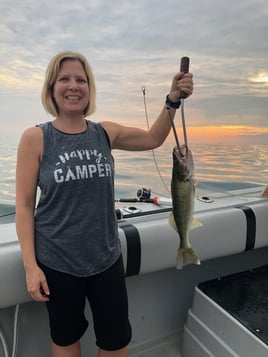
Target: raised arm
129	138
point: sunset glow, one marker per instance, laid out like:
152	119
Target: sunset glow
226	133
260	78
229	67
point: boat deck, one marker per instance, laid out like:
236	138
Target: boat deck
167	347
245	297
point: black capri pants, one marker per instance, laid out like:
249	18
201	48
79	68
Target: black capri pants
107	296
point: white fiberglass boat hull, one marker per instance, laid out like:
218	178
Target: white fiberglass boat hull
233	238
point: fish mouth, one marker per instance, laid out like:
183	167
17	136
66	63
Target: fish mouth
183	164
181	151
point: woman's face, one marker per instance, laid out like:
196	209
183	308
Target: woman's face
71	90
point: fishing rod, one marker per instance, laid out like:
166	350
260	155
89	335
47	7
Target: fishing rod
144	195
155	200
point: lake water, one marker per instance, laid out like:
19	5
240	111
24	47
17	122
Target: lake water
135	170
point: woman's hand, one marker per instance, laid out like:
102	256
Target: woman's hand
181	83
37	284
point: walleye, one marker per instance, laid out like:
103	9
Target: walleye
183	195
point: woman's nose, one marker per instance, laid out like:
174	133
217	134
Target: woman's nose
73	84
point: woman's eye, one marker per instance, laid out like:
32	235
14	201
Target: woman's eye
66	79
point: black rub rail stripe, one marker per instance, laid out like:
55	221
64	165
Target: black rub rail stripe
251	226
133	249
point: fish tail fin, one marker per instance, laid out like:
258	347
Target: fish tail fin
185	257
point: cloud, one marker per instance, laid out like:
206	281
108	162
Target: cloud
130	44
233	109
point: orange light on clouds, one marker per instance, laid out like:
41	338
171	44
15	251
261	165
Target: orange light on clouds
224	133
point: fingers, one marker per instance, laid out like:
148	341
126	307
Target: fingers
181	75
186	84
37	285
186	88
182	83
44	289
38	293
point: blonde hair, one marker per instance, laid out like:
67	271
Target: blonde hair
51	74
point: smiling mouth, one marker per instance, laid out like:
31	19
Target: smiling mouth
73	97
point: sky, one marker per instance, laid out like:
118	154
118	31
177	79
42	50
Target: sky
131	44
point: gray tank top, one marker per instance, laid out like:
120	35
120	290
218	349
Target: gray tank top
75	224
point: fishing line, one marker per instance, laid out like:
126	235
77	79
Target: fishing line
148	126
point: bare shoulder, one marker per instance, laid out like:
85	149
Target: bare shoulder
32	139
33	132
112	129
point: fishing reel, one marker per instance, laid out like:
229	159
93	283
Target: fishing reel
144	193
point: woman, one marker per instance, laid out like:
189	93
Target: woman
70	244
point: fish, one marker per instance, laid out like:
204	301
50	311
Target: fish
183	198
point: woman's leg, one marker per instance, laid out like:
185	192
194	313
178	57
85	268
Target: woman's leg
66	312
123	352
107	295
73	350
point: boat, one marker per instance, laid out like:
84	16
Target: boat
200	310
